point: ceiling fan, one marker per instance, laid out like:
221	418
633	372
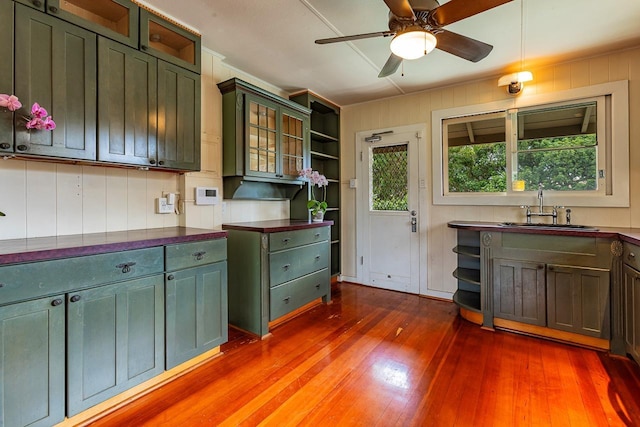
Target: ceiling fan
419	23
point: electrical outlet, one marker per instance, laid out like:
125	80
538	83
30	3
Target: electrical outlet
162	207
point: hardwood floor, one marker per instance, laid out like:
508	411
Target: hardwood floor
382	358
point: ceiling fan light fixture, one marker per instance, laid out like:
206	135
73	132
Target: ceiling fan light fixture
413	44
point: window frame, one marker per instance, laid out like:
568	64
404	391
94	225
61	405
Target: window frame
613	110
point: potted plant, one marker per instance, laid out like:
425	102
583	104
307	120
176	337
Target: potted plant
316	207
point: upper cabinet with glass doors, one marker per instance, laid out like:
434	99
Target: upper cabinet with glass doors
115	19
266	138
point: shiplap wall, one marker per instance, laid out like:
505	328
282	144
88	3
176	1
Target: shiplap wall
416	108
49	199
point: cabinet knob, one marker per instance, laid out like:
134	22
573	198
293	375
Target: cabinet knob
152	161
126	266
22	147
161	162
170	277
318	286
317	257
37	3
75	298
286	267
5	145
631	255
53	9
286	300
144	47
56	302
285	240
540	267
317	235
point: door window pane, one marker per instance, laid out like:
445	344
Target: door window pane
390	178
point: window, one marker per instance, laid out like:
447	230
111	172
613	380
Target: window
389	178
574	143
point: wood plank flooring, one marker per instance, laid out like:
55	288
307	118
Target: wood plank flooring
382	358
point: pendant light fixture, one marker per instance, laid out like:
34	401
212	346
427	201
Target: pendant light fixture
515	81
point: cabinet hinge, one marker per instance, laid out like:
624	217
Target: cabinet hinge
361	156
361	260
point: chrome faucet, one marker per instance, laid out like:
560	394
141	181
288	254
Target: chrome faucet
554	211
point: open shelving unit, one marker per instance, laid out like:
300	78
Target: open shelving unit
325	158
467	295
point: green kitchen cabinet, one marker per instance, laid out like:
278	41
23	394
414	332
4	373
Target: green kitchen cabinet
275	273
631	282
6	72
169	42
116	19
265	140
32	362
196	299
578	300
178	139
519	291
127	105
115	340
55	65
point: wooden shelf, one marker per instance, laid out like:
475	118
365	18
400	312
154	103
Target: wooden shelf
467	299
324	156
471	251
468	275
321	137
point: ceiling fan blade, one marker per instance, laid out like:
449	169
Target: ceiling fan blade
465	47
391	66
355	37
401	8
455	10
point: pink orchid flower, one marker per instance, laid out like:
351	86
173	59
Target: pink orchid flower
38	111
49	124
35	123
10	102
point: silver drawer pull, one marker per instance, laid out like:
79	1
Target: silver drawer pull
631	255
317	257
286	300
317	234
286	267
126	266
285	240
199	256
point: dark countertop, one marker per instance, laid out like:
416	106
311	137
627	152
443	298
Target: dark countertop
631	235
45	248
274	226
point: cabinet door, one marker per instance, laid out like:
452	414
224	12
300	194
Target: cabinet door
32	363
196	314
178	118
578	300
519	291
294	143
115	340
127	107
261	137
55	65
632	311
6	73
116	19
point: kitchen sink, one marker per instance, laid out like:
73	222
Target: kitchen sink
549	226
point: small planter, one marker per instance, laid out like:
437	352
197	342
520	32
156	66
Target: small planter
318	217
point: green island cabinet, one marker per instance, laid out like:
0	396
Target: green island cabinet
275	268
143	107
265	142
76	331
631	299
325	158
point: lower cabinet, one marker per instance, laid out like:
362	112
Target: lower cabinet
196	316
632	311
578	300
115	340
32	362
519	291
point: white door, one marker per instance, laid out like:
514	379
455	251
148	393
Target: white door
388	206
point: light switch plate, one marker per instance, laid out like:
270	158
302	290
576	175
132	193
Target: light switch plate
162	207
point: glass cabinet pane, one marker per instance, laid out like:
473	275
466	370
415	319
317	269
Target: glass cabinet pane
292	145
262	138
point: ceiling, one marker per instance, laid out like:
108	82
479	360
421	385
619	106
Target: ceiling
274	41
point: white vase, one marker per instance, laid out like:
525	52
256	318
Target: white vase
318	217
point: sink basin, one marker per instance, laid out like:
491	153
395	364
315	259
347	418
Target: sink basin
549	226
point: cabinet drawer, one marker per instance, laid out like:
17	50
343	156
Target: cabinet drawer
32	280
293	263
291	239
185	255
293	295
631	255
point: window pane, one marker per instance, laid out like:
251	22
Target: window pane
390	178
477	154
558	148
